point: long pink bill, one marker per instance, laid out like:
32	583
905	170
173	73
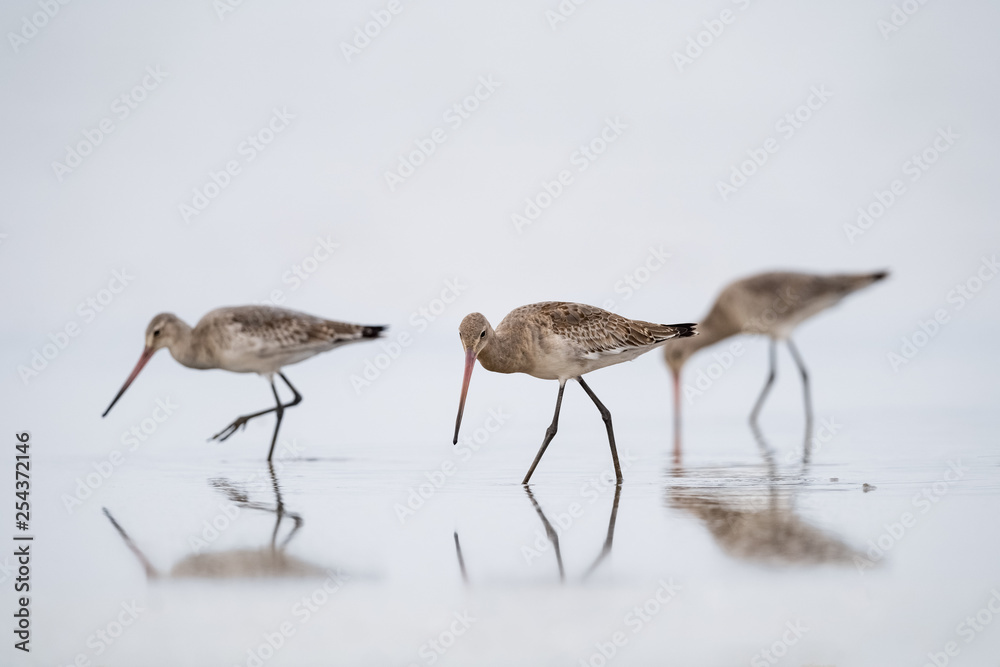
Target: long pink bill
470	363
147	354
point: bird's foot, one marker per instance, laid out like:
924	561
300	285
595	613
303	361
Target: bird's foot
224	434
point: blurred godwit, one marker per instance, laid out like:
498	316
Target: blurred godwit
559	341
771	304
247	339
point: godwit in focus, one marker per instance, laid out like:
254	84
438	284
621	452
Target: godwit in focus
247	339
559	341
771	304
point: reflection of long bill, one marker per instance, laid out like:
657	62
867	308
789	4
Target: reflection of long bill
470	363
147	354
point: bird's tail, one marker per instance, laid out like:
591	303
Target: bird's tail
856	281
668	331
374	331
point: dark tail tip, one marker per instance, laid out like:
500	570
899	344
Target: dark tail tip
373	331
685	330
879	275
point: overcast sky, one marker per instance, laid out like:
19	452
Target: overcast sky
213	155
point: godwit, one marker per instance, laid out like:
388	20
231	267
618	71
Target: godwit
771	304
559	341
247	339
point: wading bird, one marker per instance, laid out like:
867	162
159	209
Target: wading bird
247	339
771	304
559	341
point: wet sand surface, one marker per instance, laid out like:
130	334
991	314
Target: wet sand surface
881	549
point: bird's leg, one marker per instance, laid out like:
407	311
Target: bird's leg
677	417
766	450
280	513
772	353
550	532
241	422
606	416
806	395
279	505
550	433
280	412
611	533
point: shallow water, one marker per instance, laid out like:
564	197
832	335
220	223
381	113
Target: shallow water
710	561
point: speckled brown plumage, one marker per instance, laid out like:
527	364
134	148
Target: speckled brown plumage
556	340
247	339
594	330
258	339
770	304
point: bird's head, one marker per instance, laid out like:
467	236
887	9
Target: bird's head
163	331
677	352
476	333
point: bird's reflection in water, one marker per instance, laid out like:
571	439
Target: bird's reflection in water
267	561
758	522
553	536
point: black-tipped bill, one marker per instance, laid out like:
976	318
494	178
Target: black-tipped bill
147	354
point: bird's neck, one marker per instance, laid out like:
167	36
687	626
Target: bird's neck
186	348
714	327
502	354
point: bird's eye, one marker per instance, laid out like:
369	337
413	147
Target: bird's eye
483	335
156	333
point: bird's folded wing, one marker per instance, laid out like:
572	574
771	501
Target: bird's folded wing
597	331
269	330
